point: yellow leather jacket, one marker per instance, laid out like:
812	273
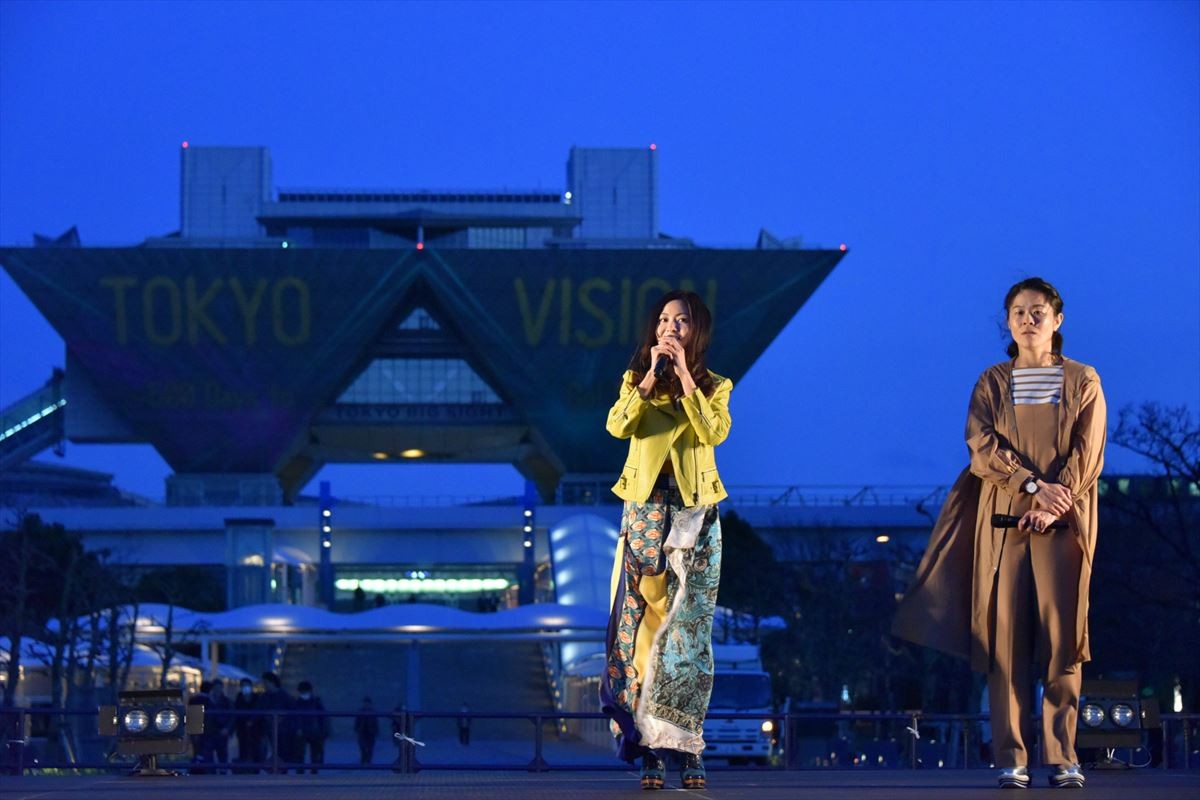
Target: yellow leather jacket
658	429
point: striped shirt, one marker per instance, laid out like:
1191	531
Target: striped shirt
1037	385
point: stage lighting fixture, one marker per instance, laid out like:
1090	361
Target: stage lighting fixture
1112	715
149	724
1092	715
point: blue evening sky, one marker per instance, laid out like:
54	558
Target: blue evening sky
955	147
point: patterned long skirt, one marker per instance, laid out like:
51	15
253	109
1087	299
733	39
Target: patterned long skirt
659	645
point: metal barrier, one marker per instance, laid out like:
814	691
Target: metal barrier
895	739
588	493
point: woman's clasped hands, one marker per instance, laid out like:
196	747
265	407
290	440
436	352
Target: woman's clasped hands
1052	501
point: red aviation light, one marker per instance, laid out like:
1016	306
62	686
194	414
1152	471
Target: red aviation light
184	145
653	146
842	247
420	245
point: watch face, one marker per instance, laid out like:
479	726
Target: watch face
1031	486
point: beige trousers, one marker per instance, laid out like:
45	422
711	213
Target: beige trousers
1036	595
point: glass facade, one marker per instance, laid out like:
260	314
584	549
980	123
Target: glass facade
224	190
402	381
616	192
419	320
507	238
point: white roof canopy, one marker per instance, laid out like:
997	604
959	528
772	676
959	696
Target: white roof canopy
403	622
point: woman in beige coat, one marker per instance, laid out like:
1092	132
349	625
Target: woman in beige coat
1010	599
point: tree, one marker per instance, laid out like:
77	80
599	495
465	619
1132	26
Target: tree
750	578
66	599
40	566
20	563
840	599
1165	509
176	587
70	563
45	575
109	630
119	641
1145	598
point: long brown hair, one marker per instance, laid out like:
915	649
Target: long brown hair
694	350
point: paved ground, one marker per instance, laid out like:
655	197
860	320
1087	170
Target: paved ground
1143	784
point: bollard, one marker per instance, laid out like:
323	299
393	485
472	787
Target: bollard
274	743
538	764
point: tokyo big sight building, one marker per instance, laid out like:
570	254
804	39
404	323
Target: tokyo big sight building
282	329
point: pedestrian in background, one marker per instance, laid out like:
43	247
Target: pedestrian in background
464	726
278	729
218	722
312	729
247	727
201	742
366	730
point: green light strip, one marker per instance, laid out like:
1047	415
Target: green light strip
422	585
45	412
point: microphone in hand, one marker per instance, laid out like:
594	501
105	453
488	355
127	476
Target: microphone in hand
662	367
1009	521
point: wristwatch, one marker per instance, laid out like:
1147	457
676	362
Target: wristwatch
1030	486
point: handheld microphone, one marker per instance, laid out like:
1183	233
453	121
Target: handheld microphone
1008	521
662	367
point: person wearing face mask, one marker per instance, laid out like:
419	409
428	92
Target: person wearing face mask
312	729
1014	600
247	727
659	670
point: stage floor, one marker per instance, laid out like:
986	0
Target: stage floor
1144	784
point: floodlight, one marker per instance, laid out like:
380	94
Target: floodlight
1111	715
1092	715
136	721
1121	714
166	720
149	724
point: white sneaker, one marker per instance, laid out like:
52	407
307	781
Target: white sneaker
1013	778
1067	776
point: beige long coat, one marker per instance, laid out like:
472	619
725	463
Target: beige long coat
949	605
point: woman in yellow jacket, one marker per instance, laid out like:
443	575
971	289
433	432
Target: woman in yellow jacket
674	412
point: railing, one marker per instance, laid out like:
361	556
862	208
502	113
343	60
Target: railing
814	496
928	498
429	500
310	194
844	495
853	740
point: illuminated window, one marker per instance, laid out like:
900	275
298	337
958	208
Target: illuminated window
419	320
398	381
